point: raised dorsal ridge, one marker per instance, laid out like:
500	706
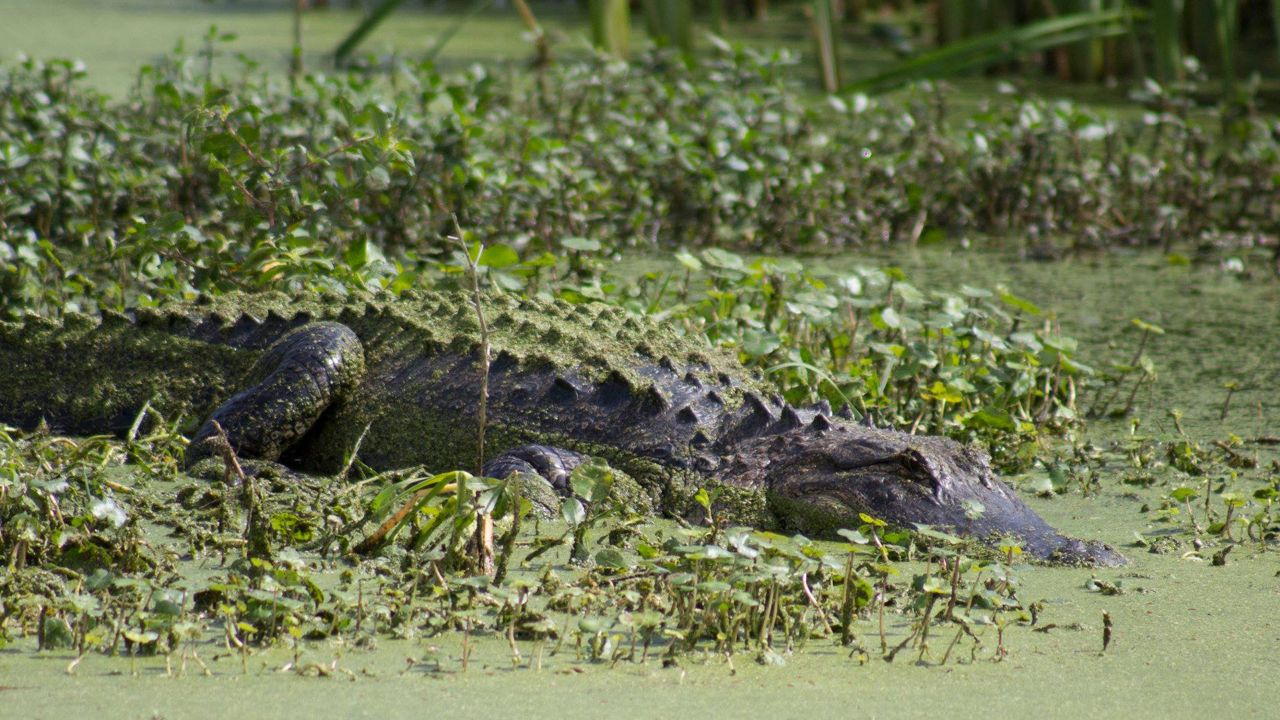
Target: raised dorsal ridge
563	390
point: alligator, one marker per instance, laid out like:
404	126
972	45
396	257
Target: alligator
306	381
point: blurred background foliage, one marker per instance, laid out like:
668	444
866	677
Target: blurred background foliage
1216	47
1074	40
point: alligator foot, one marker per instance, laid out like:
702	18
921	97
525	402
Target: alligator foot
552	463
293	383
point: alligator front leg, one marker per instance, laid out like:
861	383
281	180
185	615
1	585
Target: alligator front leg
293	383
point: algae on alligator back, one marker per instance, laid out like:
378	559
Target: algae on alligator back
86	375
398	377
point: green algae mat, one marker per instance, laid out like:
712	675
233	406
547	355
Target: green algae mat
1189	630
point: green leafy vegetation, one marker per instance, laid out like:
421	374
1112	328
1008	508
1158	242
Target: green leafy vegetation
200	184
82	575
1072	39
979	365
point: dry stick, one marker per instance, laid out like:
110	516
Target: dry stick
884	587
804	583
1226	404
540	42
1107	628
511	638
377	537
484	523
965	629
1133	394
466	644
228	453
1137	355
846	604
346	468
355	486
924	629
355	452
257	545
508	542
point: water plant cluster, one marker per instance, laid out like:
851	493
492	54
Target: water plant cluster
1203	497
982	365
295	562
197	181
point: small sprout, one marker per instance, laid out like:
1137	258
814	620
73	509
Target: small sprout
1011	549
1147	327
1220	557
1230	386
872	521
1107	630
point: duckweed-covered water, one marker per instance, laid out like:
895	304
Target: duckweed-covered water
1190	639
1219	317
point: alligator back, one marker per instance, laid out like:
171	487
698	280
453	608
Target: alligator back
583	376
87	376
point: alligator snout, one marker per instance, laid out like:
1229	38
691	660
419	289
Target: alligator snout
822	483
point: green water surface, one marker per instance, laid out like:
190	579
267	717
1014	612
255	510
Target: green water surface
115	37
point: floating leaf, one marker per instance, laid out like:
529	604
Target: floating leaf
1018	303
1145	326
498	256
580	244
853	536
573	512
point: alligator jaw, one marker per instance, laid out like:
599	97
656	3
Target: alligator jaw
826	479
1072	551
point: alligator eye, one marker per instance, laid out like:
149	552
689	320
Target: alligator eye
916	469
871	461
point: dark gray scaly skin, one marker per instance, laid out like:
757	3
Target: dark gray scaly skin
300	380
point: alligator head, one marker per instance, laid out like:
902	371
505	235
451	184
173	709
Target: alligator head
826	477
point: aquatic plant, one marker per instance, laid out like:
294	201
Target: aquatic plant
201	183
617	589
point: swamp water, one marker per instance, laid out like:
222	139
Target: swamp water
1190	639
115	37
